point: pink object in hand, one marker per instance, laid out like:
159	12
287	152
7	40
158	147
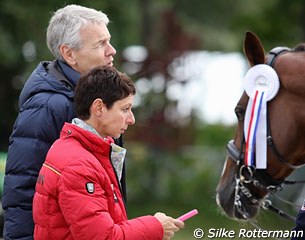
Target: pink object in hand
188	215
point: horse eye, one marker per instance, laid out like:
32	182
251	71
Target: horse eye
240	113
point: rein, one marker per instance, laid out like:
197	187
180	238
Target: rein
259	178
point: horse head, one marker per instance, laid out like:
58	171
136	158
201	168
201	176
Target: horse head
242	190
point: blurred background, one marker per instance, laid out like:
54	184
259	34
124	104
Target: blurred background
186	59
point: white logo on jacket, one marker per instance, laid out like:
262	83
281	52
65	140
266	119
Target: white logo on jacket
90	187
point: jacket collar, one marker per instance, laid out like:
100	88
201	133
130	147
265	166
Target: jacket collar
72	75
117	153
90	141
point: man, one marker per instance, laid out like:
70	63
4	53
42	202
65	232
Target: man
79	40
78	194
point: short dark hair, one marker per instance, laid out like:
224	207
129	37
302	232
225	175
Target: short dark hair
103	82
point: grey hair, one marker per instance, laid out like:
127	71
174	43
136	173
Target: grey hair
66	24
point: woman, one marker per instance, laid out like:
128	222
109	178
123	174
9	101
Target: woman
78	193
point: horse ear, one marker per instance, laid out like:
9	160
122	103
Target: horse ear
253	49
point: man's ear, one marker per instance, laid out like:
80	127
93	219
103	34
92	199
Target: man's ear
68	54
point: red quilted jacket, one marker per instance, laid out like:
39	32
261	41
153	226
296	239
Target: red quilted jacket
78	196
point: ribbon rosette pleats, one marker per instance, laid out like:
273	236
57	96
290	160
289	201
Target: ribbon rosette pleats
261	84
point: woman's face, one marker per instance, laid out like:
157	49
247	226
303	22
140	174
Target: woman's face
115	120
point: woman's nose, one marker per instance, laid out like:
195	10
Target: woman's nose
131	119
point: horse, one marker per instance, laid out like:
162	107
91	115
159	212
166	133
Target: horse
243	190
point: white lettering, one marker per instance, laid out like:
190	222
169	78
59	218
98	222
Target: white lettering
261	234
221	233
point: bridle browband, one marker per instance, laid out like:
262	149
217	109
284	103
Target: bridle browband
274	53
260	178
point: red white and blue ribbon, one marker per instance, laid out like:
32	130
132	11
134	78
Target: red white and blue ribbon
261	84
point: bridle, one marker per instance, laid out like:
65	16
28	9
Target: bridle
259	178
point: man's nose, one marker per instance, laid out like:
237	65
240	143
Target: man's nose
111	50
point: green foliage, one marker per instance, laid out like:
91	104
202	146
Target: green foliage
222	24
270	19
214	135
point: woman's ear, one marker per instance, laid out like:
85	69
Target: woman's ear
98	107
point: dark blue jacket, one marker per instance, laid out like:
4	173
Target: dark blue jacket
45	103
300	223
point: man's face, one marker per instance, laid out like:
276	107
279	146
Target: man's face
96	48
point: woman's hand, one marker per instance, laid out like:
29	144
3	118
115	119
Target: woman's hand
169	224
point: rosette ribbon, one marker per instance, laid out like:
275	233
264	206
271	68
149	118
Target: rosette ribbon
261	84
